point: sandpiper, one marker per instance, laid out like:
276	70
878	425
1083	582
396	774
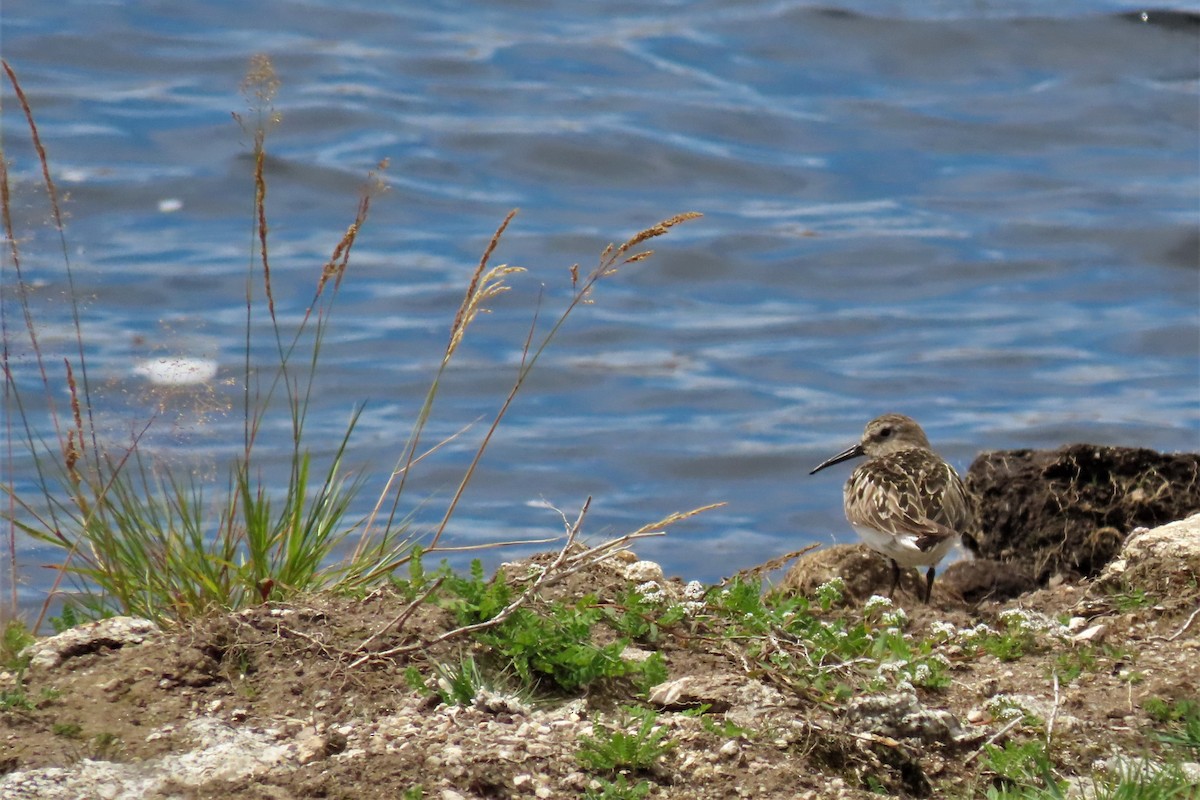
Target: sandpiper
904	500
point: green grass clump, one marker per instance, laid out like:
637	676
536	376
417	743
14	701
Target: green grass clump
1182	718
635	745
14	639
619	789
795	640
550	645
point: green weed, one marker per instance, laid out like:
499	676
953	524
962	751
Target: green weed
609	751
1182	718
15	638
620	789
67	730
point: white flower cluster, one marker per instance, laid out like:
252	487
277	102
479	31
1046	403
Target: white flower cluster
651	592
838	631
896	618
830	591
1018	620
876	602
943	630
1008	707
978	631
693	598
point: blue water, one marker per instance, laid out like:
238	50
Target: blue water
984	215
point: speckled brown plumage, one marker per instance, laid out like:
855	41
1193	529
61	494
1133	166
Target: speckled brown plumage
904	500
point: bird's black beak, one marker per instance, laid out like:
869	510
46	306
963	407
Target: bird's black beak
845	455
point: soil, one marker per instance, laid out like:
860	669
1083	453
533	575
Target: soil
1067	511
303	699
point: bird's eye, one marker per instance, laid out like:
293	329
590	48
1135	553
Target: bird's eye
885	433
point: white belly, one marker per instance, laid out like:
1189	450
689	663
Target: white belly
902	548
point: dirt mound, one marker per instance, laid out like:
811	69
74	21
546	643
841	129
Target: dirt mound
338	697
1068	511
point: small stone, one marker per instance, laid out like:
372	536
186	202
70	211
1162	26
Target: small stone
642	572
1093	635
730	749
521	780
111	633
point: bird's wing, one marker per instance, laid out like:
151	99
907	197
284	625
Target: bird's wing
925	499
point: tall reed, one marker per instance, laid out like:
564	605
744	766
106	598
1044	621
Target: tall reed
136	537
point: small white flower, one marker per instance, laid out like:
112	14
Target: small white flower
896	618
876	603
943	630
651	591
834	584
694	590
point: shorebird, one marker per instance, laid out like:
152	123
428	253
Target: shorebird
904	501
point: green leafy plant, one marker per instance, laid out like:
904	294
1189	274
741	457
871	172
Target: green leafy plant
15	700
723	728
1132	598
67	730
1182	718
460	683
551	643
14	639
609	751
1022	770
619	789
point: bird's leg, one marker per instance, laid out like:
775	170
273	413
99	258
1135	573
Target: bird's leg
928	585
895	578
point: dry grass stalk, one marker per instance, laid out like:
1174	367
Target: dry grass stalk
335	267
609	261
755	572
482	287
259	87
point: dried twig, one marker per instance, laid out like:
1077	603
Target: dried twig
992	739
770	566
403	616
549	575
1186	625
1053	712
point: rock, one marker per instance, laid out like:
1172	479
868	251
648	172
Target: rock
722	692
222	753
313	746
1157	560
1069	510
643	572
863	571
1092	635
901	716
111	633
